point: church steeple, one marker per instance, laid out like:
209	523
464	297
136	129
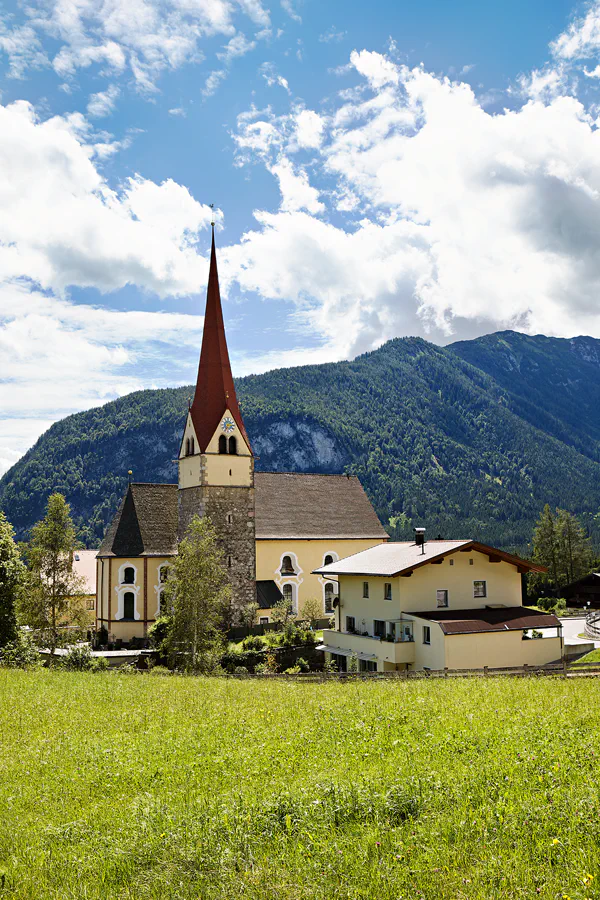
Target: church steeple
215	390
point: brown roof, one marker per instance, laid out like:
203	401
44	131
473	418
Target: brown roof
392	559
473	621
287	506
145	523
294	505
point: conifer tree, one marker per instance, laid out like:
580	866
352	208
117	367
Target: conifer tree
199	595
545	545
51	601
12	572
561	544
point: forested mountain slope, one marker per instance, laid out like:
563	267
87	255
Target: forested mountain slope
469	440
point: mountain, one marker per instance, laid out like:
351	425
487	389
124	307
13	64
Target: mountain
469	440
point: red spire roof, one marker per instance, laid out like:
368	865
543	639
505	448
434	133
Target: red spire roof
215	390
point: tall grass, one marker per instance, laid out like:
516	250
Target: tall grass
115	786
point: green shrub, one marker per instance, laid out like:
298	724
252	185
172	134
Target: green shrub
253	642
20	653
78	659
240	670
159	670
99	664
293	670
262	669
303	665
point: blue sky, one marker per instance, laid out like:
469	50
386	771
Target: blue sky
379	170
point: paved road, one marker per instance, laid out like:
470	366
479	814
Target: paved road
572	628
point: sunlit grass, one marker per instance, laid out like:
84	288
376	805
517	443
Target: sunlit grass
115	786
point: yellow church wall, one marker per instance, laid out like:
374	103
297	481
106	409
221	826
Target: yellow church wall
146	589
306	555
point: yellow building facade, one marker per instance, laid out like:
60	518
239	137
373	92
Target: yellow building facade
436	605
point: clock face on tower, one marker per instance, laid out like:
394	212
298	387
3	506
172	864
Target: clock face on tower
228	425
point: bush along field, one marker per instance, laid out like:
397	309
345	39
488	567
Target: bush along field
128	786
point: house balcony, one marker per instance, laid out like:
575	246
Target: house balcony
398	651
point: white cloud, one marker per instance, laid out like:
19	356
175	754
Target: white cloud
582	38
145	36
239	45
213	81
468	216
547	83
61	224
178	111
103	103
273	78
309	129
332	35
377	69
288	7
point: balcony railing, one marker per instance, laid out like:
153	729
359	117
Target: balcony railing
388	638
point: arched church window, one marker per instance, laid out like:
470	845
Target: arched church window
230	518
329	594
222	444
187	446
233	445
328	560
229	561
286	567
129	605
163	573
192	447
288	594
129	575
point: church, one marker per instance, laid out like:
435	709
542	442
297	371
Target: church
275	528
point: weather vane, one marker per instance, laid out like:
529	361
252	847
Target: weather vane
212	216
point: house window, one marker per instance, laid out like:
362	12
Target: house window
340	661
451	562
426	634
286	566
222	444
480	589
387	591
129	605
91	604
264	620
329	592
471	561
129	575
367	665
366	590
442	599
350	624
379	628
391	631
233	446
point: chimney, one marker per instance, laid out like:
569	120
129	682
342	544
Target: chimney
420	539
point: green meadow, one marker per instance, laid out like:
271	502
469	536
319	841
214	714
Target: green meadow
148	786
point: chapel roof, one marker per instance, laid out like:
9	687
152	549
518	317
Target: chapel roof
145	523
287	506
215	390
301	505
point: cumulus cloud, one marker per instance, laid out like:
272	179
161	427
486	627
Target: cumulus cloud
582	38
454	215
273	78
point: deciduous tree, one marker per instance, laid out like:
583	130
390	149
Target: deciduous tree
198	592
12	572
51	599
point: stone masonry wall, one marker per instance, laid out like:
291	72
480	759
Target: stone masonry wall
237	537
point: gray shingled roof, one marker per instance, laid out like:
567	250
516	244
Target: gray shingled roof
294	505
287	506
145	523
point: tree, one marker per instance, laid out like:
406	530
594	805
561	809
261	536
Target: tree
560	543
51	599
312	611
247	614
283	612
12	572
199	594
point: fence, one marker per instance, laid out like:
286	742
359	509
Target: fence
557	670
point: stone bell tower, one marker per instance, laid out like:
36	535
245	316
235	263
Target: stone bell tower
216	463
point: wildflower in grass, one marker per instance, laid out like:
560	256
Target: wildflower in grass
555	841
